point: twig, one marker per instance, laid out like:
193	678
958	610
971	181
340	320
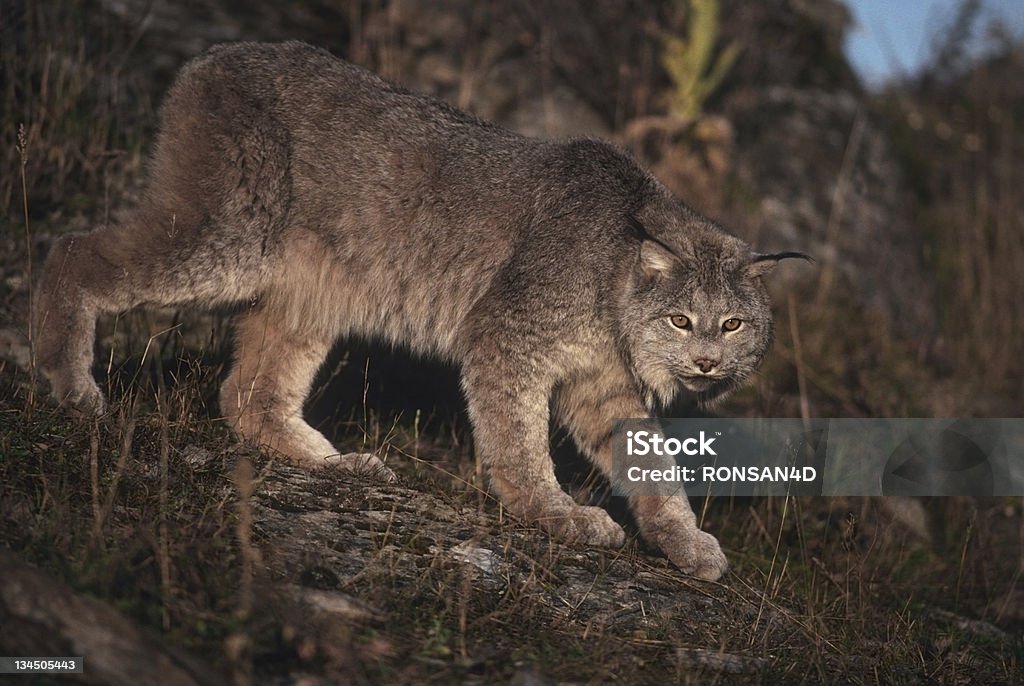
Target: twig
94	480
23	155
238	645
163	544
828	271
798	360
122	460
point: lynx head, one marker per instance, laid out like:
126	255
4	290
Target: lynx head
698	315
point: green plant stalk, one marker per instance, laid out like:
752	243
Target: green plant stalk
689	61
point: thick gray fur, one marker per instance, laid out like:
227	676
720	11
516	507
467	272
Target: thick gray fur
341	204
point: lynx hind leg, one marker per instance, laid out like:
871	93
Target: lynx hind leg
71	291
111	269
587	409
510	428
263	395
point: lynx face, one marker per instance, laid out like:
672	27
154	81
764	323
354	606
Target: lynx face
700	320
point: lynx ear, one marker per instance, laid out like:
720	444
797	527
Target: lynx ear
762	264
655	259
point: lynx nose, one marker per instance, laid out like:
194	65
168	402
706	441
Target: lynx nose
705	365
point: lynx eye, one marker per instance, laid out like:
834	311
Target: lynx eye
680	321
731	324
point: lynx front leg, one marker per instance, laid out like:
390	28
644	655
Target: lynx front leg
669	523
587	410
510	427
263	395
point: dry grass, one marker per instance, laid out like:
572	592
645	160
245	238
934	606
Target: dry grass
65	80
149	509
957	128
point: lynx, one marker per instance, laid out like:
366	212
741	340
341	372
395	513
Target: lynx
560	276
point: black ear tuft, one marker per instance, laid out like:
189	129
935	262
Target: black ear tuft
762	264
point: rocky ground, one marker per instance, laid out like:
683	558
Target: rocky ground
210	558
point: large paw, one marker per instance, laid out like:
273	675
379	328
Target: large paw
583	524
696	553
361	463
563	519
306	447
669	524
81	396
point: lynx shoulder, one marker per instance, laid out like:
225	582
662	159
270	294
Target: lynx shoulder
556	274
